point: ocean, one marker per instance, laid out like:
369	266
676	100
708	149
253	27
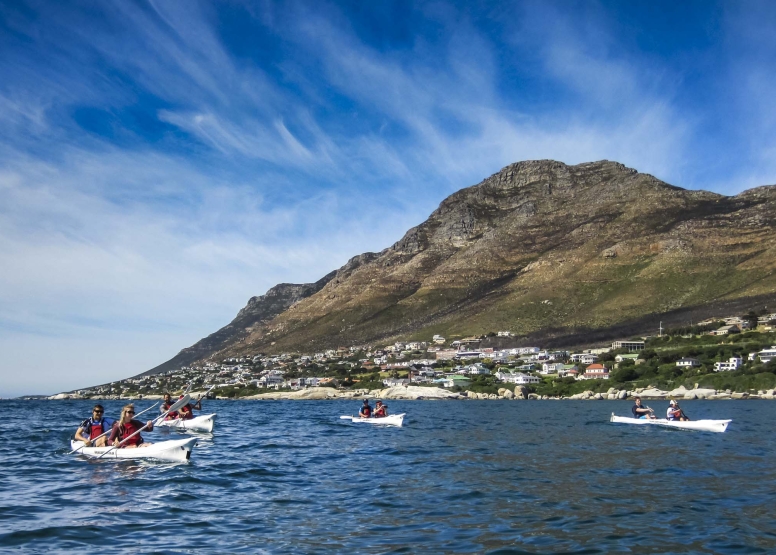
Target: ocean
458	477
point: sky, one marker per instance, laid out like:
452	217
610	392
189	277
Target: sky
163	161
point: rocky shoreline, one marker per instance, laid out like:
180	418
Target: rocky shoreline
415	393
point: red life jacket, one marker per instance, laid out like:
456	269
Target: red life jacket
96	430
380	411
126	430
186	412
366	411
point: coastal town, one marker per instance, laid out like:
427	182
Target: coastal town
468	368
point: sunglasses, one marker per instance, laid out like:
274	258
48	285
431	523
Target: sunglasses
130	412
97	412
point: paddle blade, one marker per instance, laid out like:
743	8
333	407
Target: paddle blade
180	403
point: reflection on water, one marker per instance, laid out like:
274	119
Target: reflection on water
459	477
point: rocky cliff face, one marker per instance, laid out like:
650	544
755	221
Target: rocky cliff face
542	249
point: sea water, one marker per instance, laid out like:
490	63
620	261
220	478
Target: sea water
459	477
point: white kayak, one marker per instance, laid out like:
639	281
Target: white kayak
202	423
392	420
174	450
700	425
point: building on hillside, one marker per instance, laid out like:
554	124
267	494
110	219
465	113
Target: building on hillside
725	330
462	355
688	362
568	370
595	372
551	367
765	356
394	382
438	339
629	345
733	363
505	334
524	379
478	370
629	356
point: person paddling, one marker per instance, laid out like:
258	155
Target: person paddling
366	410
168	402
186	412
381	410
94	427
127	426
675	413
640	411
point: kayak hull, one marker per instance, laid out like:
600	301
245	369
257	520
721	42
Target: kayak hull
202	423
178	450
697	425
392	420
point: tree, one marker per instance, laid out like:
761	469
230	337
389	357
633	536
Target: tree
625	374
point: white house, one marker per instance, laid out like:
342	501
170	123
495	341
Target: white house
630	345
505	334
478	370
734	363
766	355
688	362
524	379
595	372
551	367
588	358
392	382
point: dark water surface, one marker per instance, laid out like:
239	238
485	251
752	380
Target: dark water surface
459	477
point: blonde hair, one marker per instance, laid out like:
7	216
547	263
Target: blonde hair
126	408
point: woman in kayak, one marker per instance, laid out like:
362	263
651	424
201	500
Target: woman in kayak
126	427
381	410
674	412
94	427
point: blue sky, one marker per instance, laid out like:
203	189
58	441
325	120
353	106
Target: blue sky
162	162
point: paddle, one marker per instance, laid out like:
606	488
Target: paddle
109	431
178	404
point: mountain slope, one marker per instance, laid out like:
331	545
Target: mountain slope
542	249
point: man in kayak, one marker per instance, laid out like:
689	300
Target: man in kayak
366	410
675	413
166	404
94	427
381	410
640	411
126	427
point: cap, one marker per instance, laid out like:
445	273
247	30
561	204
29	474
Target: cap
672	402
366	400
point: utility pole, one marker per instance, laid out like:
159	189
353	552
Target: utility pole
660	332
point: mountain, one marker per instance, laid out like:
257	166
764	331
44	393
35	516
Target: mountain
549	251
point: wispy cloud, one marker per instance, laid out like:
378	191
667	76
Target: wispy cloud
161	162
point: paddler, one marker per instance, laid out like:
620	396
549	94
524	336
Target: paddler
126	427
186	412
674	412
381	410
640	411
93	427
366	410
166	406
